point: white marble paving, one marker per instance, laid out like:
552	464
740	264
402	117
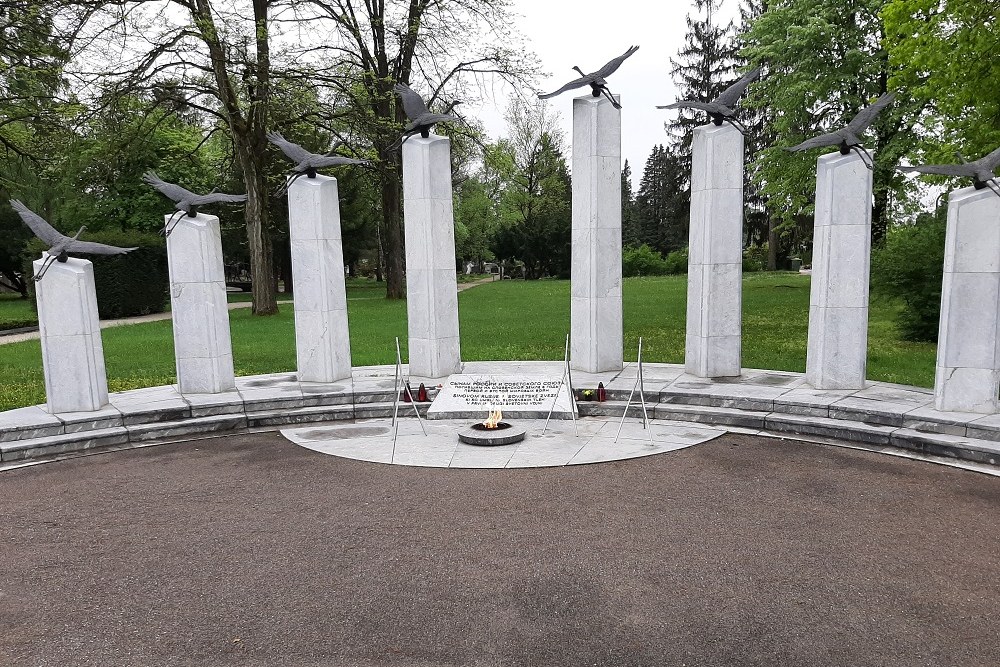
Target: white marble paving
591	440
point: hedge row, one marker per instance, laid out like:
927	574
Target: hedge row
127	285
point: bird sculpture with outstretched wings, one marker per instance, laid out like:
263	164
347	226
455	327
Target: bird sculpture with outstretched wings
722	108
185	201
981	171
421	118
59	244
307	163
848	138
596	80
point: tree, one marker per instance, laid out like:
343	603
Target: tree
379	44
630	228
662	205
824	61
31	119
944	53
536	200
217	62
704	68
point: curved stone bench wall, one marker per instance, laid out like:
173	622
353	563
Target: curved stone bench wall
773	402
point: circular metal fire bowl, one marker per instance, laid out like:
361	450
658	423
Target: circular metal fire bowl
503	434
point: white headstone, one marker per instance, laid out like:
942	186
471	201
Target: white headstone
715	253
199	309
837	352
72	352
431	276
322	336
968	358
596	269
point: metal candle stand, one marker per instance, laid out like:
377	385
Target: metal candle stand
567	377
642	399
395	397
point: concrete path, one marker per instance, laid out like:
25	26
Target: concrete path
252	551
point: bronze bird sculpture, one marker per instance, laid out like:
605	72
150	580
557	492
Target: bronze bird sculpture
721	109
421	118
60	245
185	201
307	163
981	171
848	138
596	80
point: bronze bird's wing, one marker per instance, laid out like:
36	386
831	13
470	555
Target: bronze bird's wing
413	104
575	83
334	161
37	224
828	139
613	65
939	169
865	117
693	104
732	94
217	198
291	150
92	248
991	161
175	192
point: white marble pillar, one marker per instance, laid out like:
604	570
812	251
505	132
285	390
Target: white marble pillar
596	267
715	254
968	357
322	337
837	352
431	281
72	353
199	309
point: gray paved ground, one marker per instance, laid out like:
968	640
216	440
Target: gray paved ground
252	551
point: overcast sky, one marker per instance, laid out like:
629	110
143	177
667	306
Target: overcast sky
587	33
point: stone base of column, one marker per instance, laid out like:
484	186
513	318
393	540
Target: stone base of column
713	342
70	328
322	335
596	335
199	309
967	377
837	352
431	279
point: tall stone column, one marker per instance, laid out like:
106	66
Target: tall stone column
322	337
596	270
968	357
715	253
200	313
431	282
837	352
72	352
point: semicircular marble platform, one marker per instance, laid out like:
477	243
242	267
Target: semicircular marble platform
589	440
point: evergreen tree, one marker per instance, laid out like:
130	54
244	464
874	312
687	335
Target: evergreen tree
630	230
704	67
661	205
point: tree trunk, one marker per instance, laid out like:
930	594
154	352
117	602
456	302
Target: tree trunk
392	223
880	215
772	245
258	236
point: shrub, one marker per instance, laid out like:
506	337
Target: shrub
642	261
910	267
677	261
133	284
755	258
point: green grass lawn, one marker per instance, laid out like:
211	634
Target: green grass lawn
511	319
16	312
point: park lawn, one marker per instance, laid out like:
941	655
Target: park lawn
509	319
16	312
